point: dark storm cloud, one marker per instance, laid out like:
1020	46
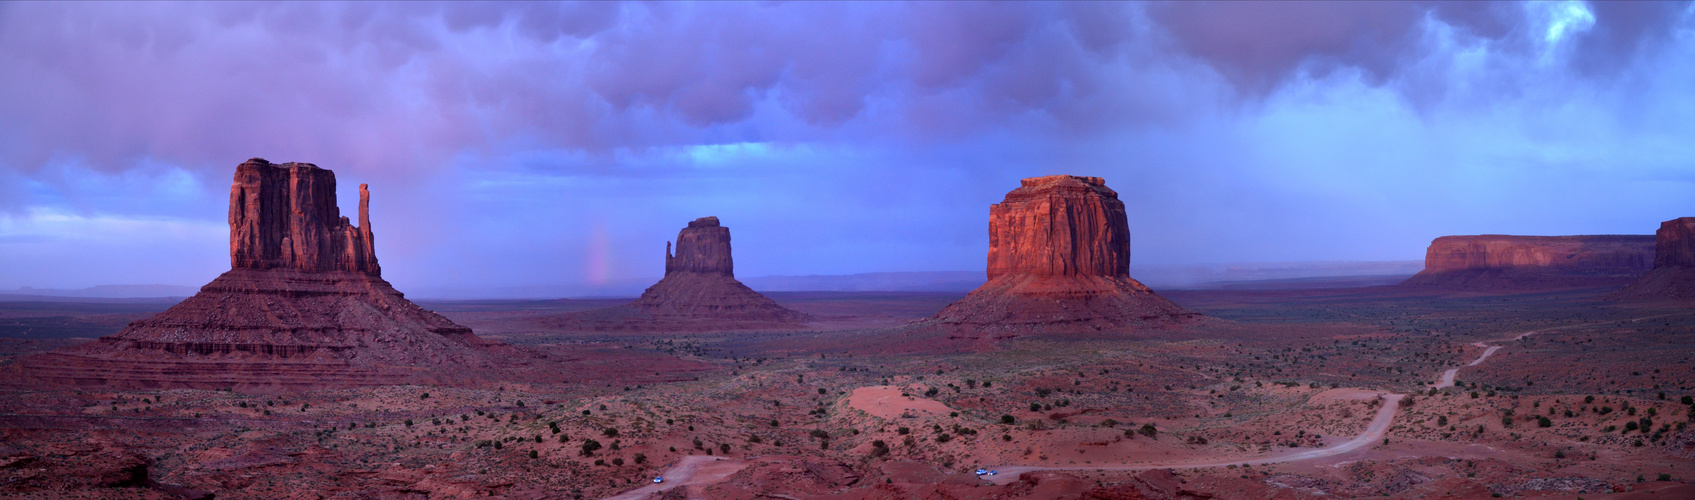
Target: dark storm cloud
508	141
1259	45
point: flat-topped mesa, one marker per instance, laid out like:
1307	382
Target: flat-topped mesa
1594	254
285	217
1501	262
702	247
1059	259
1673	276
1059	225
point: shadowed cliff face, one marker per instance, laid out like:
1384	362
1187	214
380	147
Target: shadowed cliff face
1059	225
285	216
1059	258
702	247
1673	277
1674	243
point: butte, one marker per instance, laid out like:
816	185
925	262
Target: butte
1059	260
699	293
1673	276
303	306
1499	263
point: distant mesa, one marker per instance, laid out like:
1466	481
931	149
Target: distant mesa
303	306
1673	276
1499	263
1059	258
698	293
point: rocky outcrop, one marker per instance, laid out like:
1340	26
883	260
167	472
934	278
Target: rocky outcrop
1674	243
703	247
285	217
303	307
1059	258
1513	263
698	293
1673	276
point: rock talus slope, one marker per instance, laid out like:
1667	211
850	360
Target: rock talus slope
1059	258
1509	263
698	293
303	306
1673	276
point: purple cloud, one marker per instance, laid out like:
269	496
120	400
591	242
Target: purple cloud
895	123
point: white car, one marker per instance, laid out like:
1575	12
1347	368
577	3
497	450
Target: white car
982	472
658	480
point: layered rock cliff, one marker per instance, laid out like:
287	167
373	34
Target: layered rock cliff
1508	263
702	247
303	307
1674	243
1673	276
1059	258
285	217
698	293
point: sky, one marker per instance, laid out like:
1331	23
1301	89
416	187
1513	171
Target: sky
541	144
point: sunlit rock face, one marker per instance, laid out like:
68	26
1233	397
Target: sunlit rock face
1505	263
303	306
698	293
1673	276
1059	225
285	217
1059	258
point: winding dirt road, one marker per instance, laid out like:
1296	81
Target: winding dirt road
702	471
1373	433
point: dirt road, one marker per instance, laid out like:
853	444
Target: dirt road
702	471
1373	433
693	470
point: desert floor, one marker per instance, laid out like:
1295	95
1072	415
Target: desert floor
1286	394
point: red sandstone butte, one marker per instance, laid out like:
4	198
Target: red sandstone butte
303	306
1504	263
1673	277
698	293
1059	258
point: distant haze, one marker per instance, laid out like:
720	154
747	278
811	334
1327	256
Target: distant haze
1253	275
543	150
